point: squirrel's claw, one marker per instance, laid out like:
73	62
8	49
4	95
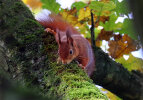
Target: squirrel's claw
80	65
50	31
59	60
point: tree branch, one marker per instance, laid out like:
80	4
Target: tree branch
114	77
92	32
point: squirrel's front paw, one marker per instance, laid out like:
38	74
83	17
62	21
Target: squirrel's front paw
59	60
80	65
49	30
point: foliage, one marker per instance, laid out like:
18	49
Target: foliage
102	8
78	5
121	45
132	63
52	5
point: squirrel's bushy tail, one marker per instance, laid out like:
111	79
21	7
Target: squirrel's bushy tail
52	21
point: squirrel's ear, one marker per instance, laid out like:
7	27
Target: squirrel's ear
69	38
59	37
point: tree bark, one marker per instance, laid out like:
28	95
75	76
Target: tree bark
115	78
32	57
136	7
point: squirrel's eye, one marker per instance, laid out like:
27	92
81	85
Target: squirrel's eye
71	52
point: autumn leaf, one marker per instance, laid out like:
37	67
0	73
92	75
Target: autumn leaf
84	13
97	20
68	15
132	63
117	37
105	35
34	4
125	45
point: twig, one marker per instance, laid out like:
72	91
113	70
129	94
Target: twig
92	32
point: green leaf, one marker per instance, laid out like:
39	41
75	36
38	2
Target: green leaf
51	5
97	32
127	28
78	5
132	63
111	25
102	8
122	8
114	1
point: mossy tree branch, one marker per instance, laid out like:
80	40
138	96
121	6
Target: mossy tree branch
32	57
114	77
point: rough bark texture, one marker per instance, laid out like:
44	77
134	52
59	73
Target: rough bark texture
136	8
114	77
32	57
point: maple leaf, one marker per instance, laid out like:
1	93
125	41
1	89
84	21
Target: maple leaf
105	35
119	47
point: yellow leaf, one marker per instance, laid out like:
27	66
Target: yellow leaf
34	4
84	13
69	16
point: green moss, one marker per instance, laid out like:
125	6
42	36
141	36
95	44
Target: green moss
74	84
12	14
78	87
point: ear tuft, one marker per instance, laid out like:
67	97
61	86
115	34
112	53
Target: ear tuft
69	38
59	37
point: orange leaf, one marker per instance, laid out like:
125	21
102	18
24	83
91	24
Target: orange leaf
105	35
33	3
121	46
68	15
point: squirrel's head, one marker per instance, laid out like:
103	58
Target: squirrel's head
67	49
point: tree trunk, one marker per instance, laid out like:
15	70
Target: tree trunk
32	57
136	7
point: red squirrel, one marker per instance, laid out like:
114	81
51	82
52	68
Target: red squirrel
72	45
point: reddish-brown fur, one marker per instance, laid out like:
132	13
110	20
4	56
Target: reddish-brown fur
71	44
